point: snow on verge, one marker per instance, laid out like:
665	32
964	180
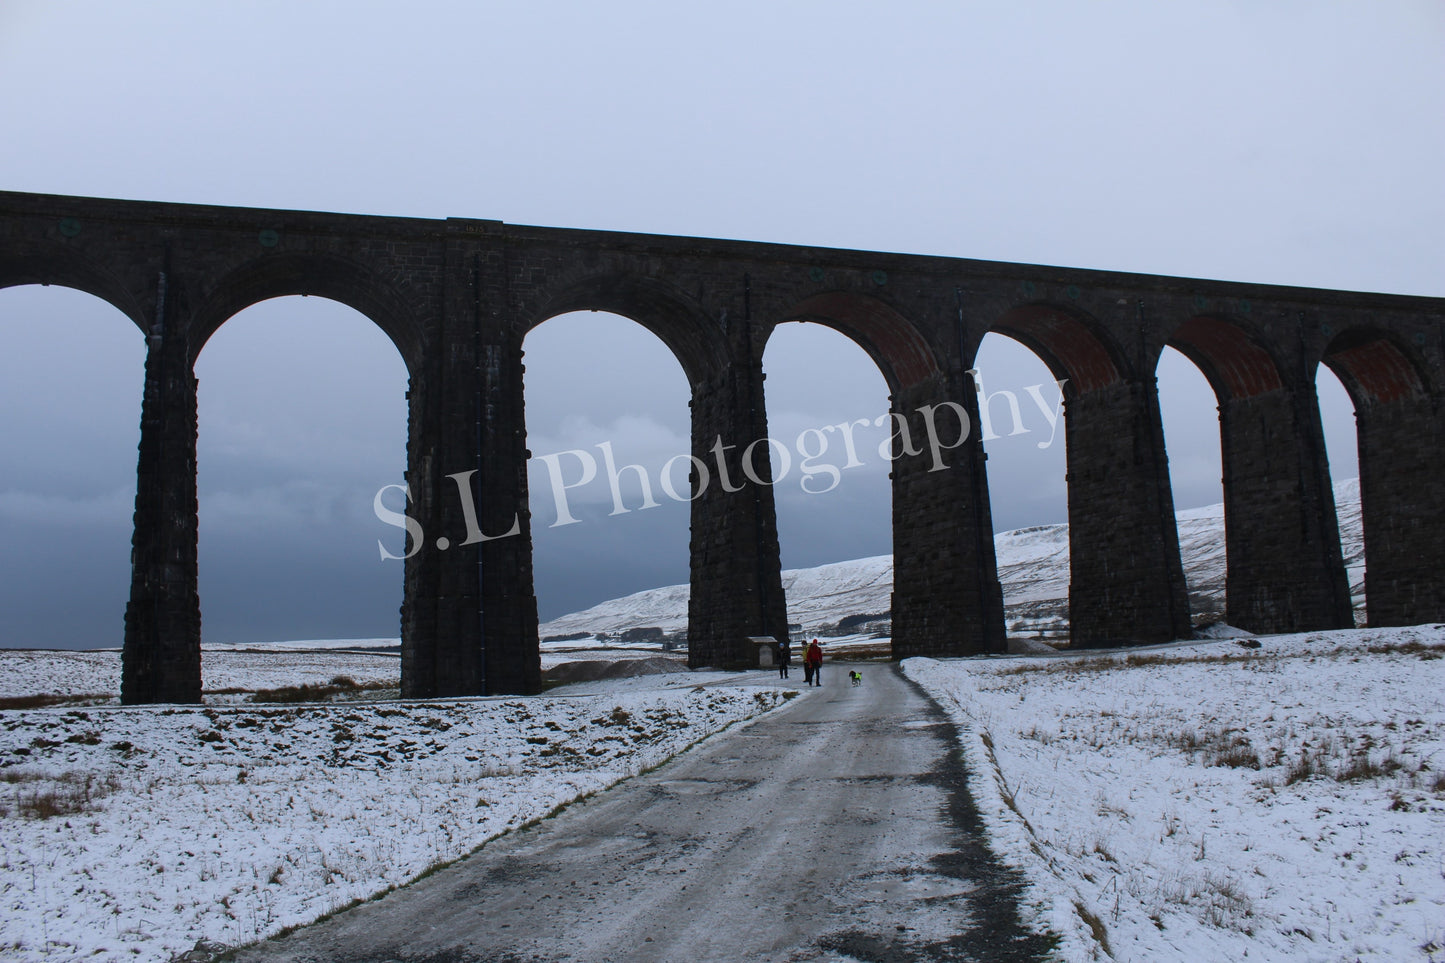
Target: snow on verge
1218	802
132	833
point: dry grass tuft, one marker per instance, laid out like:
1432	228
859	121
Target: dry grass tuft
340	685
1425	650
43	796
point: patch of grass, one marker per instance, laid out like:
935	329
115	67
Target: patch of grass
1096	926
1303	768
1238	756
1425	650
339	686
45	701
1361	766
43	796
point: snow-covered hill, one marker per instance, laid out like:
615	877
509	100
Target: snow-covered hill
1033	564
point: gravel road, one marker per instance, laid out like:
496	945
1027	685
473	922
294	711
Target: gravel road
837	828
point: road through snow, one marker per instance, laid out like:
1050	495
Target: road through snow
837	828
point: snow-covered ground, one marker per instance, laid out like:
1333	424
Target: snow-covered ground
132	833
228	672
1207	801
30	672
1033	567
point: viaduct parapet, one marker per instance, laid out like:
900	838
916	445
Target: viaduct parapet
457	297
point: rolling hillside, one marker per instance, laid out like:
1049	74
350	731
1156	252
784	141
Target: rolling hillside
1033	564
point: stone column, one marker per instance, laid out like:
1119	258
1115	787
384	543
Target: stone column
1126	582
946	594
441	646
161	660
1402	487
736	576
1285	572
509	601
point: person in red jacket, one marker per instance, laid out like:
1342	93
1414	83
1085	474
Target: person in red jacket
813	663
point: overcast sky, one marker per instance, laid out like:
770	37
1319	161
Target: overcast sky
1283	142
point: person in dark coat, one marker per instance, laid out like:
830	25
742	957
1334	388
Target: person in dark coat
813	663
785	657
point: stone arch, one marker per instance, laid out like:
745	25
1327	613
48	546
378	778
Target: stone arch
1401	449
677	320
944	596
1126	584
728	557
1233	357
65	268
895	343
561	369
1376	367
1075	347
337	279
325	388
1283	570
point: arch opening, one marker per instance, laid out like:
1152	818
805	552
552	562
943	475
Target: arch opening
302	419
1189	412
1022	427
71	380
607	479
827	407
1337	416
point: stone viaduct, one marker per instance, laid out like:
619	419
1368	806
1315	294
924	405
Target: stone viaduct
457	297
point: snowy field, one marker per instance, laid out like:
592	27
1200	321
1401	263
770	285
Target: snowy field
37	672
230	672
1207	801
133	833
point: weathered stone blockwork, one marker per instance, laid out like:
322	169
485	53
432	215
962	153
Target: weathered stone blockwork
458	297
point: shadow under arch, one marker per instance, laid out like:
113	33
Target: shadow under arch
1284	569
1073	346
334	278
696	340
64	268
899	349
1401	449
1376	367
1231	354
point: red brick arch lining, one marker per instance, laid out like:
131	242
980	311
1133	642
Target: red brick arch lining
1236	365
676	320
1373	367
1071	348
891	340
